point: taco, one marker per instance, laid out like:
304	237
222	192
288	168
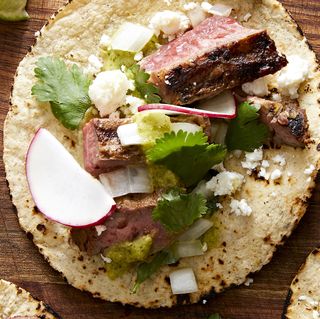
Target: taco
16	302
191	205
303	298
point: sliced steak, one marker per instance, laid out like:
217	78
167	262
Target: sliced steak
287	122
103	151
131	220
216	55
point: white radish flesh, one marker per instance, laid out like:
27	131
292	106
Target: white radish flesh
61	189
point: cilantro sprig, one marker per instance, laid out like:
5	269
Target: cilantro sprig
176	211
147	269
65	88
147	91
188	155
246	132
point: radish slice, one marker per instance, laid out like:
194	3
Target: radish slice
130	179
183	281
61	189
221	106
186	127
131	37
198	228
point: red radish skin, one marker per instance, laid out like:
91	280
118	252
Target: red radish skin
184	110
100	219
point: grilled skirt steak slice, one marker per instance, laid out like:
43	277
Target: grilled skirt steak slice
103	151
287	122
216	55
131	220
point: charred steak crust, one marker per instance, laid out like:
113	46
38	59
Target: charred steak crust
103	151
286	120
223	68
216	55
131	220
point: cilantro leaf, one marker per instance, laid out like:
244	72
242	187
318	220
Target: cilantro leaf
147	91
174	148
176	211
65	89
146	269
245	132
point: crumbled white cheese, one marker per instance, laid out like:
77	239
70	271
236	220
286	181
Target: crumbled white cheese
138	56
219	206
289	174
100	229
195	13
133	103
265	164
219	167
253	159
225	183
276	174
37	33
273	194
216	9
309	179
204	301
171	23
95	64
276	97
279	159
309	170
263	173
108	91
105	40
290	78
106	259
240	208
246	17
258	87
248	282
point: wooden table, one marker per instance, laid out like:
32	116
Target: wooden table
21	262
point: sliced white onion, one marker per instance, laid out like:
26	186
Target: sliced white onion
128	134
127	180
196	230
217	9
183	281
195	13
188	248
131	37
220	136
186	127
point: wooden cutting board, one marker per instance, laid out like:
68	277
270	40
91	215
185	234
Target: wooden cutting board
21	262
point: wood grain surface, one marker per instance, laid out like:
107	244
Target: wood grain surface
21	262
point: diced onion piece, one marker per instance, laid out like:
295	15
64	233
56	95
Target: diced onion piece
183	281
127	180
128	134
131	37
217	9
224	103
220	136
196	230
196	15
186	127
188	249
